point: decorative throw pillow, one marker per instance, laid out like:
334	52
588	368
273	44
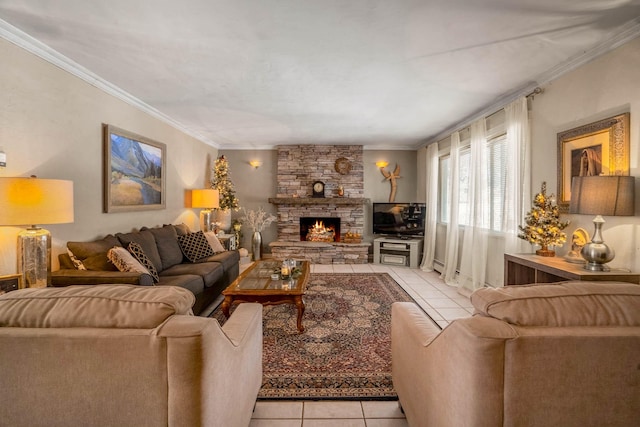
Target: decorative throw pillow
122	258
195	246
76	262
94	254
136	250
214	242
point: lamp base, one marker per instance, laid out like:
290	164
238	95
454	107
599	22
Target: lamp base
596	253
206	218
34	257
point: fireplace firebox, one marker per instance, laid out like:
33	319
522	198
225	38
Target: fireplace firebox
319	229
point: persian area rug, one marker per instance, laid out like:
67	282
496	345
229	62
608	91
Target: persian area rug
345	350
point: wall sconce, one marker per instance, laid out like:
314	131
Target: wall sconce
255	163
382	164
30	201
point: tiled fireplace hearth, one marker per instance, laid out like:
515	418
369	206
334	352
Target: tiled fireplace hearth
298	168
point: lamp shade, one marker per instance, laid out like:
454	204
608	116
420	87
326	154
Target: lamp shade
206	198
603	195
30	201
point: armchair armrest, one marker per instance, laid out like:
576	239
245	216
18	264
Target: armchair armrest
215	367
66	277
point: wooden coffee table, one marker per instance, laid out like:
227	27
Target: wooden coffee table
255	285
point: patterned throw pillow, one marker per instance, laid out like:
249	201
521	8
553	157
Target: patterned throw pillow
195	246
214	242
136	250
122	258
76	262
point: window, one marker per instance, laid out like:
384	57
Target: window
444	178
496	181
464	204
496	153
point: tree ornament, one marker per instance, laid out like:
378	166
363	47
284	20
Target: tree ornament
543	226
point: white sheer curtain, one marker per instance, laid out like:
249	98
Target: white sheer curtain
473	265
517	198
453	190
432	208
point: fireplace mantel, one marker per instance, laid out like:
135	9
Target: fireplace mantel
343	201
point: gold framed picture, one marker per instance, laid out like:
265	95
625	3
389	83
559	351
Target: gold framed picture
134	171
599	148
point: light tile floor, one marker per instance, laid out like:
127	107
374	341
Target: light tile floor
441	302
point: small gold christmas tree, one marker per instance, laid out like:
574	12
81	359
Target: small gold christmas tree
544	227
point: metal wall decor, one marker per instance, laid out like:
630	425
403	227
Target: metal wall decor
343	166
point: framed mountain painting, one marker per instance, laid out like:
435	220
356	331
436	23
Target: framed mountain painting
134	171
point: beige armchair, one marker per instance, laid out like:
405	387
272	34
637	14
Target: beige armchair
540	355
123	355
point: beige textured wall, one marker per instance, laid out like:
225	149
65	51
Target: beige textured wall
51	126
602	88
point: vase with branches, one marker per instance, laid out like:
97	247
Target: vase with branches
257	220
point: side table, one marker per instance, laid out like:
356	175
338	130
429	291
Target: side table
522	269
228	241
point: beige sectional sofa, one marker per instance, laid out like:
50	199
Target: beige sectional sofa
125	355
563	354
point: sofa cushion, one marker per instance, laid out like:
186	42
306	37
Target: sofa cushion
210	272
181	229
191	282
195	246
136	251
227	258
97	306
562	304
147	242
215	244
167	244
93	255
124	261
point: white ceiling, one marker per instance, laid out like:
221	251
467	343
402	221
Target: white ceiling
386	74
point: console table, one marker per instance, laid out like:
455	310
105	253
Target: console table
522	269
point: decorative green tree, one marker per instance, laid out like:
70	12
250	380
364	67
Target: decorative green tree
544	227
223	184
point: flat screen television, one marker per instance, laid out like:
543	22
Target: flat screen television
399	219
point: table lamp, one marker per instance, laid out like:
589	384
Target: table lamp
30	201
601	196
205	199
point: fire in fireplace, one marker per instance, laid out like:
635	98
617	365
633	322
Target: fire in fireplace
313	229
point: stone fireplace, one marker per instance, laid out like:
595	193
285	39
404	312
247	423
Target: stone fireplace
319	229
299	166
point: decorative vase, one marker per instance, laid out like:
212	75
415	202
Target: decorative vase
223	217
256	245
545	251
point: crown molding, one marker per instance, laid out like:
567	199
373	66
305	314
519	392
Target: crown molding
36	47
625	34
